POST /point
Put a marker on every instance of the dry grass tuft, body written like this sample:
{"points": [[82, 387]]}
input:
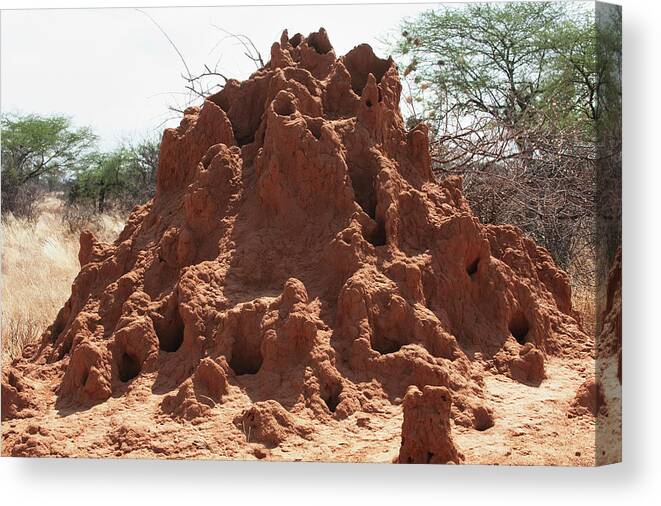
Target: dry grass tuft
{"points": [[584, 301], [39, 263], [584, 289]]}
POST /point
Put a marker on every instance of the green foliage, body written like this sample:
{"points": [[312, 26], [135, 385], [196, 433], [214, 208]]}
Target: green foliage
{"points": [[519, 100], [36, 149], [508, 61], [122, 178], [609, 65], [41, 153]]}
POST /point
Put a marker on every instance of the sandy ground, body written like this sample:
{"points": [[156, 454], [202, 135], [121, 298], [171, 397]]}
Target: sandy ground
{"points": [[609, 428], [532, 428]]}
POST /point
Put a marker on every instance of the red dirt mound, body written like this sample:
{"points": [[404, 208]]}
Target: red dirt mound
{"points": [[590, 399], [426, 430], [298, 263]]}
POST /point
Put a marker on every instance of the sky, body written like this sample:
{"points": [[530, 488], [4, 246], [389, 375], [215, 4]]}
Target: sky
{"points": [[114, 71]]}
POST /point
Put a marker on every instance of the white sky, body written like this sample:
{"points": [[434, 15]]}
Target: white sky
{"points": [[113, 70]]}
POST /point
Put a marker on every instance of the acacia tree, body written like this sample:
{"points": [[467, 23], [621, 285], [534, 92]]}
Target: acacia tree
{"points": [[501, 62], [120, 178], [510, 92], [100, 175], [34, 149], [142, 163]]}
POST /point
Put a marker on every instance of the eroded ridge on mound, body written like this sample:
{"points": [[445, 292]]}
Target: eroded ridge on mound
{"points": [[299, 253]]}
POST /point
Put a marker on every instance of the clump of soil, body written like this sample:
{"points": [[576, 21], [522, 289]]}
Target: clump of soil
{"points": [[590, 399], [426, 430], [298, 267]]}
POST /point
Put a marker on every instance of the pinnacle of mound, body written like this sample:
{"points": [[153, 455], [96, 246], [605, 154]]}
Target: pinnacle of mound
{"points": [[426, 437], [298, 250]]}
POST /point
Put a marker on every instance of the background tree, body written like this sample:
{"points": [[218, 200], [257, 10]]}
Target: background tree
{"points": [[143, 163], [37, 150], [117, 180], [97, 178], [510, 92]]}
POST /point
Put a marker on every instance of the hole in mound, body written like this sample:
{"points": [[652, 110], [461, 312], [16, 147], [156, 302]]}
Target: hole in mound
{"points": [[385, 345], [430, 456], [363, 182], [368, 103], [360, 62], [283, 106], [330, 390], [64, 349], [471, 268], [246, 356], [378, 236], [57, 329], [170, 331], [296, 40], [319, 41], [314, 127], [244, 140], [333, 399], [129, 367], [519, 327]]}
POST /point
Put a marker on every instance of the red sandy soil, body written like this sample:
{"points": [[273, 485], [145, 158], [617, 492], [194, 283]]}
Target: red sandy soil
{"points": [[301, 288]]}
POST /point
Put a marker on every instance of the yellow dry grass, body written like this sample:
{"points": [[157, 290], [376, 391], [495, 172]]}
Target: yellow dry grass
{"points": [[39, 263], [584, 302], [584, 289]]}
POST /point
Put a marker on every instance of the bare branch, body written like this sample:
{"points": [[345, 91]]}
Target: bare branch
{"points": [[251, 50]]}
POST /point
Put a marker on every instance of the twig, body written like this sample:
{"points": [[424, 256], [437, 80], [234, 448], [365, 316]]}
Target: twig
{"points": [[181, 56], [249, 46]]}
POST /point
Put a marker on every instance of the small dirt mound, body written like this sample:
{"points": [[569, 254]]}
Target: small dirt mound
{"points": [[268, 423], [426, 437], [589, 399], [199, 393]]}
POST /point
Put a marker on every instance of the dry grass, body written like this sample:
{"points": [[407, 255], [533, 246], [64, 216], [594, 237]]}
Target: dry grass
{"points": [[584, 289], [39, 263], [584, 301]]}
